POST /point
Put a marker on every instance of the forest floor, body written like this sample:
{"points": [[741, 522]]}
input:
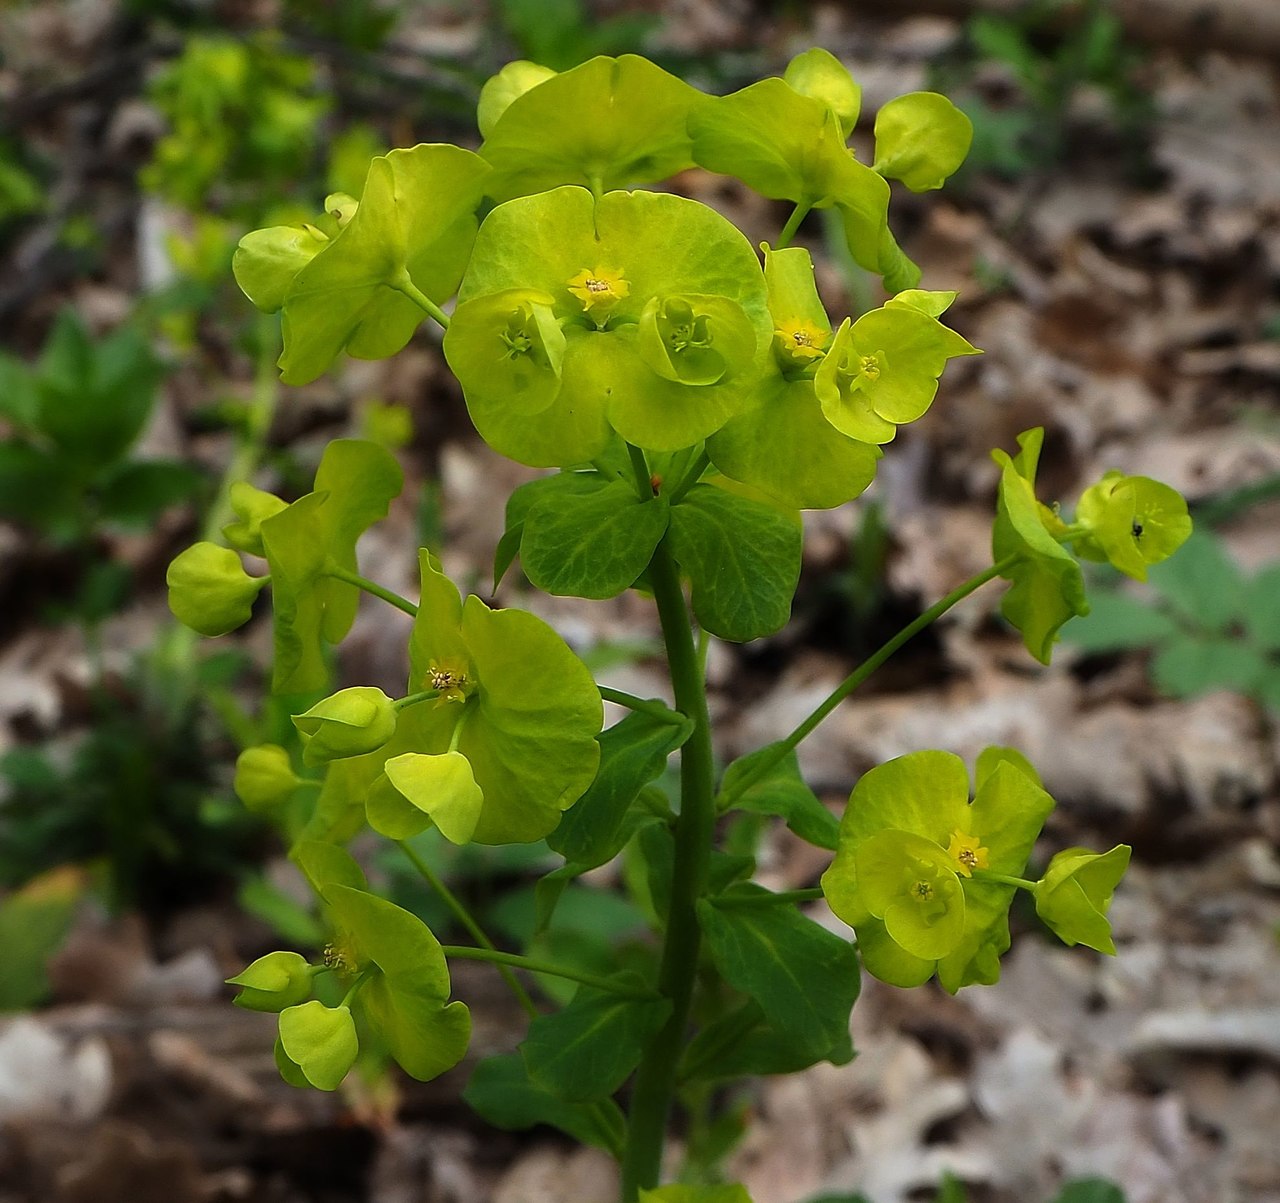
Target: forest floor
{"points": [[1127, 298]]}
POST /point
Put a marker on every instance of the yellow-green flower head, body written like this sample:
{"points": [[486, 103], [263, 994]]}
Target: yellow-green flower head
{"points": [[799, 343], [1075, 893], [1133, 521], [882, 370], [352, 722], [273, 982], [911, 875]]}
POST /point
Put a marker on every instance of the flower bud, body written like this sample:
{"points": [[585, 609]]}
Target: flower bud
{"points": [[1073, 896], [273, 982], [351, 722], [264, 778], [252, 507], [209, 590]]}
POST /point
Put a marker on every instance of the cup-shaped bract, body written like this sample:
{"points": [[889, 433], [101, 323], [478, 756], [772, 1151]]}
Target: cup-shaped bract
{"points": [[353, 488], [264, 778], [513, 81], [909, 838], [209, 590], [351, 722], [783, 444], [1132, 521], [921, 138], [405, 994], [267, 261], [1047, 585], [818, 73], [273, 982], [320, 1041], [414, 223], [533, 709], [608, 123], [882, 370], [252, 507], [442, 787], [791, 147], [617, 269], [1075, 893]]}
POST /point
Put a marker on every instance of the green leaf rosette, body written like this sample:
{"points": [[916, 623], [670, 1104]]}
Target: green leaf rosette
{"points": [[921, 138], [1075, 893], [609, 123], [882, 370], [414, 225], [908, 874], [354, 486], [784, 444], [1132, 521], [789, 146], [1047, 585], [514, 703], [641, 314]]}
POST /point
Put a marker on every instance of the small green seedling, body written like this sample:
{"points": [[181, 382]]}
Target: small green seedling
{"points": [[690, 395]]}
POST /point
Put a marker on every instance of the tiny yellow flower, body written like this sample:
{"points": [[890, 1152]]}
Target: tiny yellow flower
{"points": [[967, 854], [801, 340], [599, 289]]}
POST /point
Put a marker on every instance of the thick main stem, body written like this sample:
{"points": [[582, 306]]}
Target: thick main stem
{"points": [[655, 1080]]}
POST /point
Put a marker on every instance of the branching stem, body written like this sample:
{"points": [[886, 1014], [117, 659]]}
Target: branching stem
{"points": [[420, 298], [503, 960], [387, 595], [864, 670]]}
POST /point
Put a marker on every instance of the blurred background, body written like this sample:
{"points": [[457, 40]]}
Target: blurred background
{"points": [[1115, 240]]}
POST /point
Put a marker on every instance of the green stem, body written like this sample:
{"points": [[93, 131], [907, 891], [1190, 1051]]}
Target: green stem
{"points": [[640, 467], [798, 214], [468, 921], [691, 478], [659, 710], [655, 1081], [365, 974], [414, 698], [811, 894], [465, 952], [780, 750], [354, 578], [406, 286], [1004, 878]]}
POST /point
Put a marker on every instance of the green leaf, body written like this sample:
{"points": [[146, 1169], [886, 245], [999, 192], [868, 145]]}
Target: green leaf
{"points": [[921, 138], [587, 1050], [501, 1093], [40, 490], [34, 921], [565, 485], [804, 978], [783, 792], [415, 222], [742, 558], [632, 753], [1090, 1190], [1202, 584], [681, 1193], [95, 397], [320, 1041], [137, 493], [1116, 622], [594, 545], [741, 1044], [611, 123], [1261, 610], [1189, 666]]}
